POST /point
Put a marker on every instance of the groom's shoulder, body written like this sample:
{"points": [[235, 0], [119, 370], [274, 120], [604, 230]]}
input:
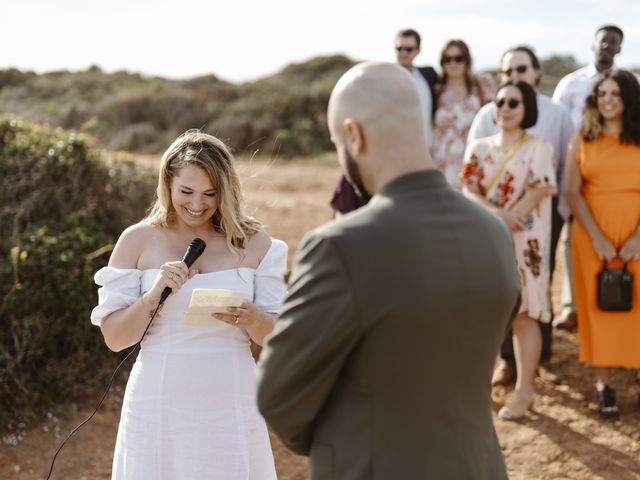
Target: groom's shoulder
{"points": [[356, 231], [352, 224]]}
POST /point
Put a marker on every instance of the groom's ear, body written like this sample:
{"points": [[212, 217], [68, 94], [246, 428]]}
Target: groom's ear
{"points": [[355, 137]]}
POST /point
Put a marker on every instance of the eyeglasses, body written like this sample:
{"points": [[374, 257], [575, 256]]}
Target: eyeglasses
{"points": [[453, 58], [520, 69], [512, 103], [406, 49]]}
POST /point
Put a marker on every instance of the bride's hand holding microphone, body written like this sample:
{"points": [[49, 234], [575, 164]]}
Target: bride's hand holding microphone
{"points": [[172, 275]]}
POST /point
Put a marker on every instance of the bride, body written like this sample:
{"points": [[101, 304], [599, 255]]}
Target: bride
{"points": [[189, 408]]}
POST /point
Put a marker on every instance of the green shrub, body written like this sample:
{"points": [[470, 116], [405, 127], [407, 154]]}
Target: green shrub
{"points": [[282, 113], [62, 205]]}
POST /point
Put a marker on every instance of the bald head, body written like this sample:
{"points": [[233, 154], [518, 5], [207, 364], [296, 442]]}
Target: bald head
{"points": [[382, 97], [376, 122]]}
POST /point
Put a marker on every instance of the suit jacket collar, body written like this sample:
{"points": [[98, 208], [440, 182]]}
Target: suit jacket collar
{"points": [[431, 178]]}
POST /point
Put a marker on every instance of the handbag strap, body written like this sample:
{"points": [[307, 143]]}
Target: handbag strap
{"points": [[606, 266], [512, 151]]}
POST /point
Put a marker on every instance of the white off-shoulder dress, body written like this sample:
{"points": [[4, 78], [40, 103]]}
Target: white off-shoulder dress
{"points": [[189, 410]]}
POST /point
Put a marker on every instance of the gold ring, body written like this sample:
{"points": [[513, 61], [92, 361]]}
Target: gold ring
{"points": [[237, 318]]}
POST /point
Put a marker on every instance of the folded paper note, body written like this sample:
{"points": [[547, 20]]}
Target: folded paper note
{"points": [[205, 302]]}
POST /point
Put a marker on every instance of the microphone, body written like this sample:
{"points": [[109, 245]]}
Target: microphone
{"points": [[196, 247]]}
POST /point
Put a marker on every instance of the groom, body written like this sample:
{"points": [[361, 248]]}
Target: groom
{"points": [[380, 364]]}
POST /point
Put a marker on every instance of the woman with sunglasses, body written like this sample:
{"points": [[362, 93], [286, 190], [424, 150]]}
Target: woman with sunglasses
{"points": [[602, 187], [512, 175], [460, 95]]}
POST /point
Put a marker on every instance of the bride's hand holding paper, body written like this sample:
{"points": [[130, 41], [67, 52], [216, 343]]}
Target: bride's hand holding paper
{"points": [[205, 302], [243, 316]]}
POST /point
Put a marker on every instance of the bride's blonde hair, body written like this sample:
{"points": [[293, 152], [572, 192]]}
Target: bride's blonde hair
{"points": [[214, 158]]}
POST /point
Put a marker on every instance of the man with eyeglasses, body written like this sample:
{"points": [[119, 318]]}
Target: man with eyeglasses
{"points": [[407, 46], [555, 125]]}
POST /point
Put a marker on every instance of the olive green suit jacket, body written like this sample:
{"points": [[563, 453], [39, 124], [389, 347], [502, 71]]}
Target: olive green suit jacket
{"points": [[380, 365]]}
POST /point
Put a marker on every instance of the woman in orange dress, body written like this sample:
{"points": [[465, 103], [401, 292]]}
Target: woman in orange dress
{"points": [[603, 191]]}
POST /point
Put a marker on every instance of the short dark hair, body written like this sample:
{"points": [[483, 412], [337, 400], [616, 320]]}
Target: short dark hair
{"points": [[409, 32], [611, 28], [529, 51], [535, 62], [529, 101]]}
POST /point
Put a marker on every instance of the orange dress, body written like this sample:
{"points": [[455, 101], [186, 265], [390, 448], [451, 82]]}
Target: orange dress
{"points": [[611, 186]]}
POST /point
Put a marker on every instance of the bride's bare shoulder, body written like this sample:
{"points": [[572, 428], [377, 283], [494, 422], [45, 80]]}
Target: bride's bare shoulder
{"points": [[259, 244], [132, 242]]}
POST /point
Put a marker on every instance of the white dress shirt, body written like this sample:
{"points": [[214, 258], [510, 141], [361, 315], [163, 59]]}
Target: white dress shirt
{"points": [[554, 124], [426, 101], [572, 91]]}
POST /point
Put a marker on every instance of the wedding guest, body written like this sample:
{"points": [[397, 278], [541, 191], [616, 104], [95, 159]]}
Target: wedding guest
{"points": [[572, 92], [460, 96], [554, 124], [603, 191], [512, 175]]}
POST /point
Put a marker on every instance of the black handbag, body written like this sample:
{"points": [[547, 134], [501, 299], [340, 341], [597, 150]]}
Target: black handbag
{"points": [[615, 287]]}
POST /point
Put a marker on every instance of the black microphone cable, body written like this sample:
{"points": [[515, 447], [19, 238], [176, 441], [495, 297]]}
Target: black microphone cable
{"points": [[104, 395], [195, 249]]}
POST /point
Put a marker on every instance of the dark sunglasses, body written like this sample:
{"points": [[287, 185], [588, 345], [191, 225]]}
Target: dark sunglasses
{"points": [[453, 58], [512, 103], [406, 49], [520, 69]]}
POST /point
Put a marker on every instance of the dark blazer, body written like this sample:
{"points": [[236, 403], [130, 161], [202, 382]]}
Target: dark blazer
{"points": [[380, 365], [431, 76]]}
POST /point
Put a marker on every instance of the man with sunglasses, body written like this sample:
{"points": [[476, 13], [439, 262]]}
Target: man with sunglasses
{"points": [[407, 46], [407, 49], [555, 125]]}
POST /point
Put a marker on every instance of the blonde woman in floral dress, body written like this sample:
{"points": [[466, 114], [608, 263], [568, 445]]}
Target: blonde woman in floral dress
{"points": [[460, 96], [512, 175]]}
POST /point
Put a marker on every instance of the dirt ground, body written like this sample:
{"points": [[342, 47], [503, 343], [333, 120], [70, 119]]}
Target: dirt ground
{"points": [[562, 438]]}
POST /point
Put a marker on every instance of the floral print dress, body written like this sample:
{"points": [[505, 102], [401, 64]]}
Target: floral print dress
{"points": [[451, 127], [502, 178]]}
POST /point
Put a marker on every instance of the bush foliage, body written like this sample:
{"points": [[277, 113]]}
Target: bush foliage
{"points": [[281, 114], [62, 205]]}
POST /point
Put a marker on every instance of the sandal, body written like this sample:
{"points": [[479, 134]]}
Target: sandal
{"points": [[515, 407], [607, 407]]}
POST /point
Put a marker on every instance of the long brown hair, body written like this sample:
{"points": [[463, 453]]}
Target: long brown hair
{"points": [[593, 122], [470, 80]]}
